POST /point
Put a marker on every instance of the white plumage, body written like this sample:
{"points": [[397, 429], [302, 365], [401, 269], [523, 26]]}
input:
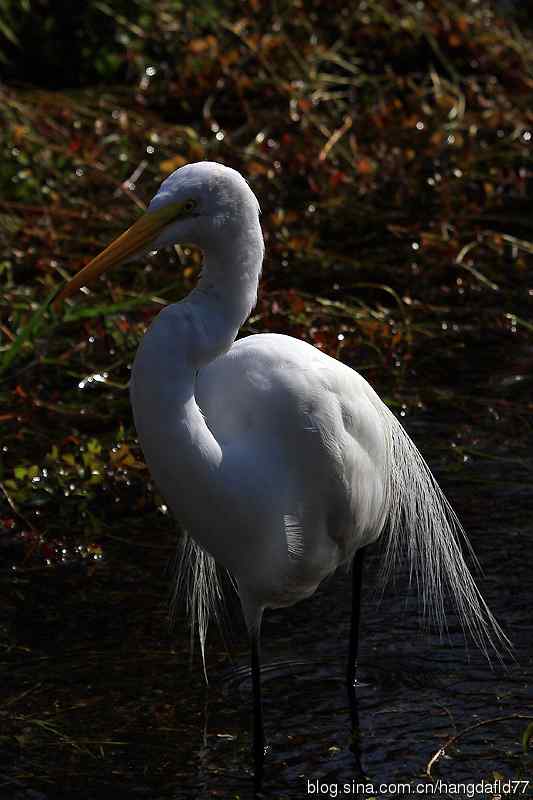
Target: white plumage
{"points": [[280, 462]]}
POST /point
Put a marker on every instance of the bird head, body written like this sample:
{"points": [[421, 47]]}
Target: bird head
{"points": [[202, 204]]}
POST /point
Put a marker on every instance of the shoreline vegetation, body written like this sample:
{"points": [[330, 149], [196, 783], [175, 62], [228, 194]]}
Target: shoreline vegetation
{"points": [[390, 147]]}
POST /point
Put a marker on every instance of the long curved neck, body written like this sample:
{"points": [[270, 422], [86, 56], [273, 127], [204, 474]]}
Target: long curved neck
{"points": [[182, 453], [226, 292]]}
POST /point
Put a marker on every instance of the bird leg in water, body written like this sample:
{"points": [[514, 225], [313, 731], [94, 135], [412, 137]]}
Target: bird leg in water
{"points": [[351, 672], [258, 729]]}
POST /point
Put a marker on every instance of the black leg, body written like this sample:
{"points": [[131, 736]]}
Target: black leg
{"points": [[258, 730], [351, 672]]}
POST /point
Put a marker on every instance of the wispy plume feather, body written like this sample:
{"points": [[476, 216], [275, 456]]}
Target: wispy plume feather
{"points": [[423, 527], [197, 580]]}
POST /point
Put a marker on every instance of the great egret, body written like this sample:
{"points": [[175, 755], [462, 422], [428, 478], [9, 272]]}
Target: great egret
{"points": [[280, 462]]}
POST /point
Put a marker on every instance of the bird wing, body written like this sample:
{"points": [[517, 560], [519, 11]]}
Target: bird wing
{"points": [[313, 425]]}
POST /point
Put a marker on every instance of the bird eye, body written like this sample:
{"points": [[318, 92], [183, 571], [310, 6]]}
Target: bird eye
{"points": [[189, 206]]}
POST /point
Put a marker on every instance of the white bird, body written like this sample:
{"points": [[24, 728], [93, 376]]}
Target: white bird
{"points": [[280, 462]]}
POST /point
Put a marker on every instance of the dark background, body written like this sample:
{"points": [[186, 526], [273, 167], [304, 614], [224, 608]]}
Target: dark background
{"points": [[390, 145]]}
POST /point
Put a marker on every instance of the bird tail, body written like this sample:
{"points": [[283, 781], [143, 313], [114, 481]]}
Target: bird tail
{"points": [[423, 526], [197, 578]]}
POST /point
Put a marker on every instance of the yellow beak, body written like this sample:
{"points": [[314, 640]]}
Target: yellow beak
{"points": [[123, 247]]}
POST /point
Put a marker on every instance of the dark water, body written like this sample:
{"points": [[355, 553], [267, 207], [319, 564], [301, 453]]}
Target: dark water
{"points": [[106, 702]]}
